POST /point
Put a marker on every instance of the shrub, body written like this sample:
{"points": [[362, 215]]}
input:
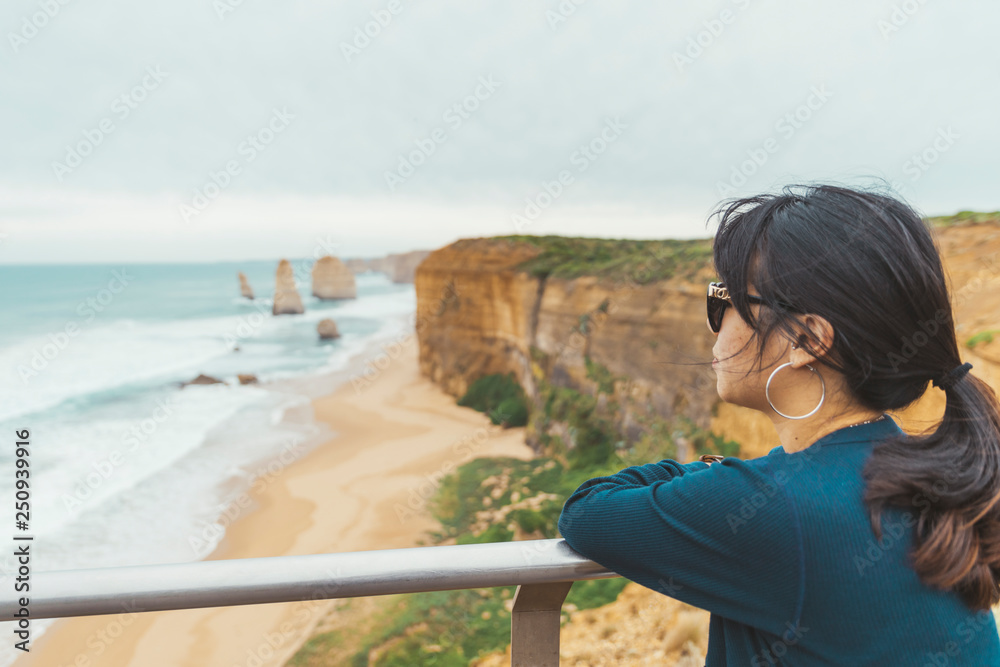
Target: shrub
{"points": [[981, 337], [512, 411], [500, 397]]}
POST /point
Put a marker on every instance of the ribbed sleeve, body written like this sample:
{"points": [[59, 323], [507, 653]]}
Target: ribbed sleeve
{"points": [[721, 537], [780, 549]]}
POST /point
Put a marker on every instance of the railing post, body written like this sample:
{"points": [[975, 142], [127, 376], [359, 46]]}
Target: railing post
{"points": [[534, 624]]}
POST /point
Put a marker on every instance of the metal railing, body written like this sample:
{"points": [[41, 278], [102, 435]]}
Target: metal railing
{"points": [[542, 570]]}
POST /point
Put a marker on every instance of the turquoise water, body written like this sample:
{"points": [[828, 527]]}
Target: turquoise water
{"points": [[127, 466]]}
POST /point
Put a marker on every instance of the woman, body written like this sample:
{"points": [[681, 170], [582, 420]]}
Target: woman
{"points": [[851, 543]]}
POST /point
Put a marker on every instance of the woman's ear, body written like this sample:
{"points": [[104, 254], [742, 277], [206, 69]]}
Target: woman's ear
{"points": [[814, 342]]}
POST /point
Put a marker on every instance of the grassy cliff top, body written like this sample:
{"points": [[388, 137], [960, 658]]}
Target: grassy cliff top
{"points": [[964, 217], [650, 260], [641, 261]]}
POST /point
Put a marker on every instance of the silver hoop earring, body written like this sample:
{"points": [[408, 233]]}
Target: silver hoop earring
{"points": [[767, 389]]}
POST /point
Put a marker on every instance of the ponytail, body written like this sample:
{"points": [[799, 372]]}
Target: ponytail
{"points": [[952, 477]]}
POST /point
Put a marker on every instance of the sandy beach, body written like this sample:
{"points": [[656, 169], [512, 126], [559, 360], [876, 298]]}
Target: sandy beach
{"points": [[393, 437]]}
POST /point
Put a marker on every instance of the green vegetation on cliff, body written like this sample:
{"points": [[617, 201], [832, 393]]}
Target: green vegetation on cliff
{"points": [[639, 261], [964, 217], [500, 397], [982, 337]]}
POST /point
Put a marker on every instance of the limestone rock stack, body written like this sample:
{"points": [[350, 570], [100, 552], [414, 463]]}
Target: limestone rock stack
{"points": [[286, 298], [331, 279], [327, 329], [245, 289]]}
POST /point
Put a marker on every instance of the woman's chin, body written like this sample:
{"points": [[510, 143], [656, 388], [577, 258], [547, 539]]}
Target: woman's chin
{"points": [[728, 395], [724, 391]]}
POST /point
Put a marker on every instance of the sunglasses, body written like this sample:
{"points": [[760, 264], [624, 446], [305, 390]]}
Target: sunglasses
{"points": [[718, 300]]}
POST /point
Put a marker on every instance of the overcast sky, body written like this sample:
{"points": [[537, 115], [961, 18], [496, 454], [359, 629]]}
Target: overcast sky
{"points": [[234, 129]]}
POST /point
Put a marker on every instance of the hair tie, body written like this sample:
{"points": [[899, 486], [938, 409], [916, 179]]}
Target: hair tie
{"points": [[952, 376]]}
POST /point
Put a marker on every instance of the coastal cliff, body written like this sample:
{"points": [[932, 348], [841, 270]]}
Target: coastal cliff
{"points": [[618, 319], [624, 321], [400, 267], [581, 322]]}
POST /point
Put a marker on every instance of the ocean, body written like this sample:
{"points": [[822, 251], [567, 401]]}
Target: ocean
{"points": [[127, 466]]}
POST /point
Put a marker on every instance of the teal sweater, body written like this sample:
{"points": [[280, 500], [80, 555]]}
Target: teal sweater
{"points": [[780, 550]]}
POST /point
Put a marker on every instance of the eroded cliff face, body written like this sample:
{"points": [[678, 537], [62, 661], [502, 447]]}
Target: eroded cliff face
{"points": [[477, 314], [474, 311]]}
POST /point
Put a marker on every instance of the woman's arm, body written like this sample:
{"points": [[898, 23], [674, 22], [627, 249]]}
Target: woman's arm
{"points": [[723, 537]]}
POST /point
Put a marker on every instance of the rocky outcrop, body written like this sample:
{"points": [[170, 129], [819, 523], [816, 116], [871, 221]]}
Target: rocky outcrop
{"points": [[286, 297], [357, 265], [202, 379], [246, 378], [331, 279], [478, 313], [399, 267], [402, 268], [327, 329], [245, 289]]}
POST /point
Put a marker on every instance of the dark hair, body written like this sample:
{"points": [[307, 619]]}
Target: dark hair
{"points": [[866, 262]]}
